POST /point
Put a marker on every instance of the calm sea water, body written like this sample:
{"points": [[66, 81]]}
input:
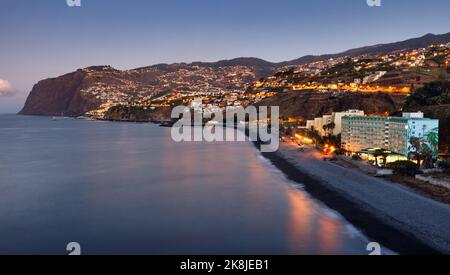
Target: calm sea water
{"points": [[126, 188]]}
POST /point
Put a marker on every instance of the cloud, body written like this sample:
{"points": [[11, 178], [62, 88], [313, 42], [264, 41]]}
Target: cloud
{"points": [[6, 88]]}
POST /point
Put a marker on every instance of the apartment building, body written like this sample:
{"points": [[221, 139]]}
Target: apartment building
{"points": [[336, 118], [402, 135]]}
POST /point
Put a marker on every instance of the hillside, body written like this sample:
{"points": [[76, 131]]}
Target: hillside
{"points": [[434, 101], [310, 104], [93, 90], [380, 49], [82, 91]]}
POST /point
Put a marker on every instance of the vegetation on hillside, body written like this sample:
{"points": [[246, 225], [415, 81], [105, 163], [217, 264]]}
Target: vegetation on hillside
{"points": [[434, 100], [434, 93]]}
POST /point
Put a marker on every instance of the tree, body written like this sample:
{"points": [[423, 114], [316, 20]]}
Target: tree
{"points": [[433, 139], [315, 136], [424, 150], [333, 140], [384, 156], [376, 154], [329, 128], [434, 93]]}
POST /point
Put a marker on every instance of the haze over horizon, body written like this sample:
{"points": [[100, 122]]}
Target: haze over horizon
{"points": [[47, 39]]}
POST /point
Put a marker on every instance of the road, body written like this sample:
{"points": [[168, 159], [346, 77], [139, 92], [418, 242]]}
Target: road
{"points": [[401, 207]]}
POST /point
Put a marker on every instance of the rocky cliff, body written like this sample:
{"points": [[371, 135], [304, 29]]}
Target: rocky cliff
{"points": [[58, 96], [68, 95]]}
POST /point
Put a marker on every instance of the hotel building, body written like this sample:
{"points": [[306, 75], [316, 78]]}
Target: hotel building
{"points": [[400, 135], [336, 118]]}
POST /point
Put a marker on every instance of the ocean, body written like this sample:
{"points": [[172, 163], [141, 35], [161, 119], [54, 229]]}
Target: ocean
{"points": [[127, 188]]}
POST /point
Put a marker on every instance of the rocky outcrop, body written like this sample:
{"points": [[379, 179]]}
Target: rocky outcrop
{"points": [[65, 95], [58, 96]]}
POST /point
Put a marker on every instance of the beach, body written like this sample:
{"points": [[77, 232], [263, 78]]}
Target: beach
{"points": [[393, 215]]}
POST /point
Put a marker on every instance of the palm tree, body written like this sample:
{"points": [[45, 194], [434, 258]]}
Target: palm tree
{"points": [[329, 127], [384, 156], [376, 154], [433, 139]]}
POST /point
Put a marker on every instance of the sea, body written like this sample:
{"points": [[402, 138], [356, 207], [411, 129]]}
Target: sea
{"points": [[128, 188]]}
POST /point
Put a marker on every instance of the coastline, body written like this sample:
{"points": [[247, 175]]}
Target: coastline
{"points": [[374, 225]]}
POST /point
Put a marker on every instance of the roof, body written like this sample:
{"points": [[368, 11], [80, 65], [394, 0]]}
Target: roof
{"points": [[371, 151]]}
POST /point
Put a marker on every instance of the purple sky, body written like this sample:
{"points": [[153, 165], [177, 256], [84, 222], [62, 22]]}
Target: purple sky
{"points": [[41, 39]]}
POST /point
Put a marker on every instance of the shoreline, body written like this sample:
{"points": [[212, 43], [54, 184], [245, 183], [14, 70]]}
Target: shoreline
{"points": [[368, 221], [374, 224]]}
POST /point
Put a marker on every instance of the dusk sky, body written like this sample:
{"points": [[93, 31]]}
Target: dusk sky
{"points": [[41, 39]]}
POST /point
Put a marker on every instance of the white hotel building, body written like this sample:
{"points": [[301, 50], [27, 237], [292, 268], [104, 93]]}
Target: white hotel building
{"points": [[400, 135], [336, 118]]}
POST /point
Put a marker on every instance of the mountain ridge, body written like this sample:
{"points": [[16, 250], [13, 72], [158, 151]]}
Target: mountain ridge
{"points": [[381, 48], [88, 89]]}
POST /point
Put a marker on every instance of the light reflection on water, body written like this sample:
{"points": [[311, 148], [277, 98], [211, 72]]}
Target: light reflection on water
{"points": [[128, 188]]}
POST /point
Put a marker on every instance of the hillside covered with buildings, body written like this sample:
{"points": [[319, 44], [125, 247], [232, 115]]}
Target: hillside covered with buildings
{"points": [[394, 68], [381, 80]]}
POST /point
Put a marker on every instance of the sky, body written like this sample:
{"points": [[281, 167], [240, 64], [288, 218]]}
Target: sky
{"points": [[42, 39]]}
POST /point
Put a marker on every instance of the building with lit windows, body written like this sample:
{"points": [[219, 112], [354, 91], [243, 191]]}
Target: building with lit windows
{"points": [[403, 136], [335, 118]]}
